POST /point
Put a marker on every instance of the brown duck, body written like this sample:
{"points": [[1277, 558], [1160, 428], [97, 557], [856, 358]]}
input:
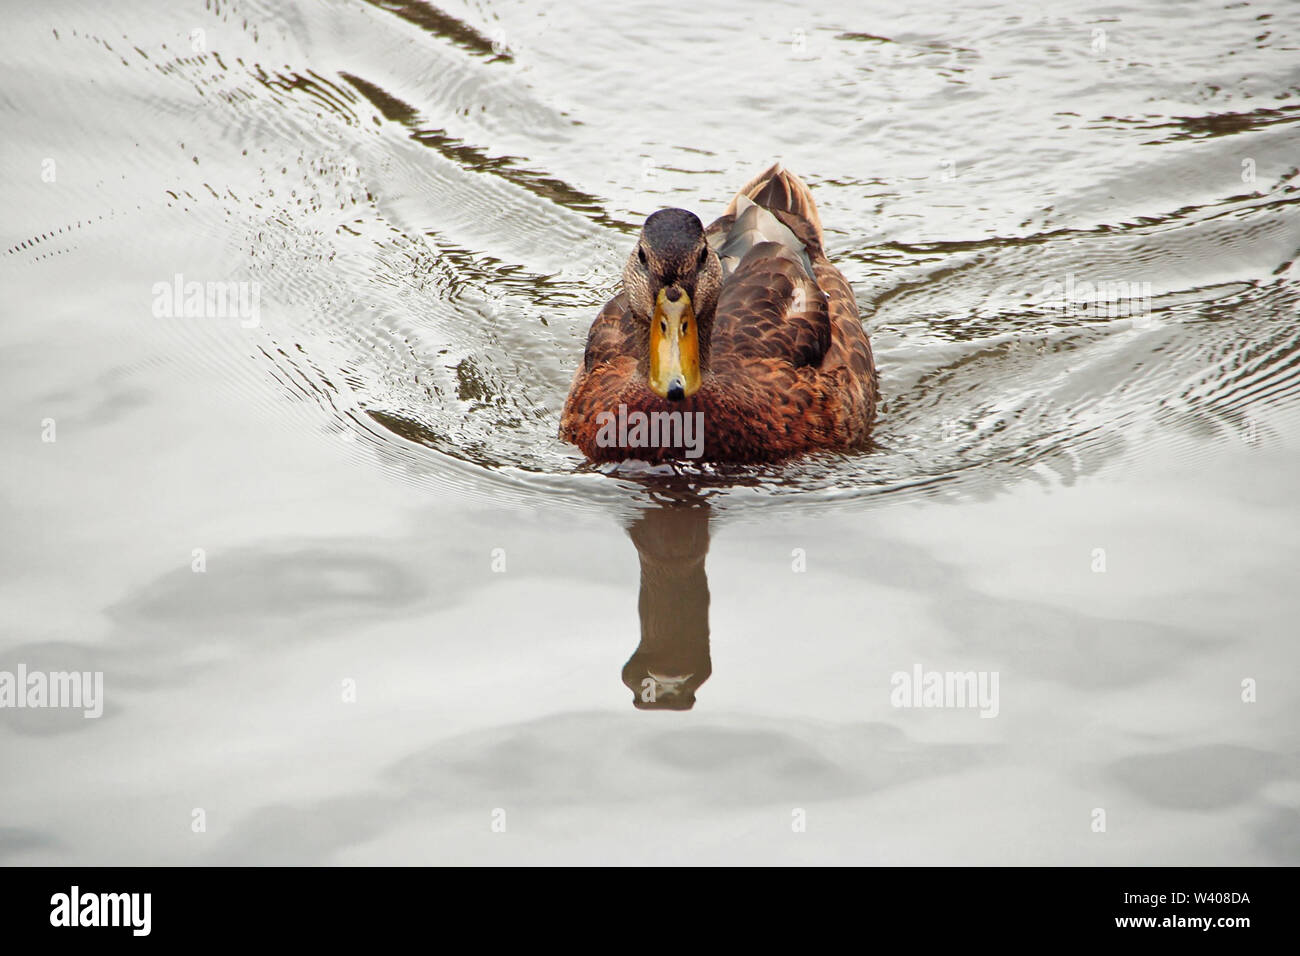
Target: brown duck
{"points": [[739, 343]]}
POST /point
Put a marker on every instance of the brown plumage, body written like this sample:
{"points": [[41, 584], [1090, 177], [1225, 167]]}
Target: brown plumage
{"points": [[785, 366]]}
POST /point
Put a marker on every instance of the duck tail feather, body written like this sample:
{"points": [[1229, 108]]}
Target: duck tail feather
{"points": [[778, 188]]}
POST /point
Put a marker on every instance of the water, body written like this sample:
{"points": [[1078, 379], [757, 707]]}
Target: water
{"points": [[433, 202]]}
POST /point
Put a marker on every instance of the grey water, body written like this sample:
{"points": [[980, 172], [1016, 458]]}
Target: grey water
{"points": [[354, 602]]}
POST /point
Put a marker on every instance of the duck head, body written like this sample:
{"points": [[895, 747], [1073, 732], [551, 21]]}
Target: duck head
{"points": [[672, 280]]}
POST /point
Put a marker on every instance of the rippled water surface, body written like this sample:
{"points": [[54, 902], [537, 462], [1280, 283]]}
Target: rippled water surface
{"points": [[246, 524]]}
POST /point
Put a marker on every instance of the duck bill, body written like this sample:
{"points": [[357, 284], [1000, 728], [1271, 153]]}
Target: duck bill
{"points": [[674, 346]]}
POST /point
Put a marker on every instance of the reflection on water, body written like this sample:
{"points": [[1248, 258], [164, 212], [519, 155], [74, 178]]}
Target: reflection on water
{"points": [[672, 660]]}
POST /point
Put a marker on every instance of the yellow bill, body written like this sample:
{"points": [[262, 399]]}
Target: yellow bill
{"points": [[674, 346]]}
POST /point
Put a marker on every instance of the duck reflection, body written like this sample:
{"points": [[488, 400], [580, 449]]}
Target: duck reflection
{"points": [[672, 660]]}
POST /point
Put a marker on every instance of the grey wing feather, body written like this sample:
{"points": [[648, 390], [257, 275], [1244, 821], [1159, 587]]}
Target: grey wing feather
{"points": [[754, 224]]}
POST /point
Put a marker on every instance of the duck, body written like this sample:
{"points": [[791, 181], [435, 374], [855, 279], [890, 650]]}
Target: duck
{"points": [[740, 343]]}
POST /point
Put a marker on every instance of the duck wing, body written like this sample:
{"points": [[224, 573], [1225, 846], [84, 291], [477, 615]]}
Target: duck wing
{"points": [[736, 233], [771, 307], [613, 335]]}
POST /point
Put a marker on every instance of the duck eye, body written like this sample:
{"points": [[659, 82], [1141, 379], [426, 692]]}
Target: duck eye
{"points": [[704, 257], [640, 254]]}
